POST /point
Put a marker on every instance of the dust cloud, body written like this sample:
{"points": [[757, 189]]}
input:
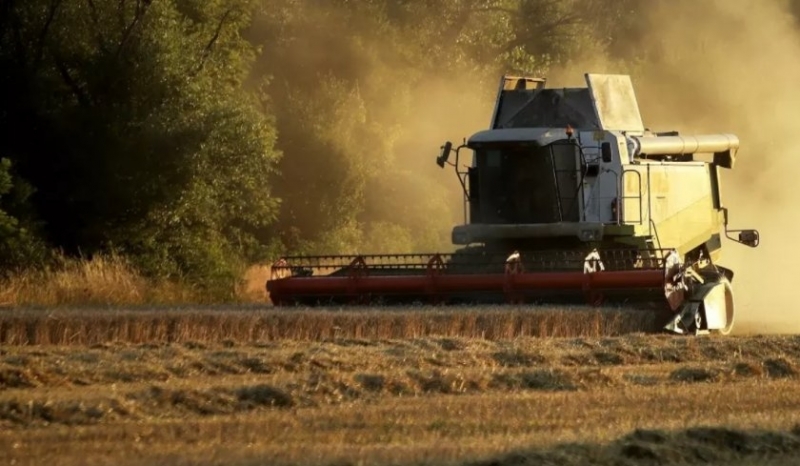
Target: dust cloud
{"points": [[444, 109], [381, 106], [730, 66]]}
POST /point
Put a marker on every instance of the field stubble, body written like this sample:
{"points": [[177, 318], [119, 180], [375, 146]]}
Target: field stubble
{"points": [[260, 323], [227, 391]]}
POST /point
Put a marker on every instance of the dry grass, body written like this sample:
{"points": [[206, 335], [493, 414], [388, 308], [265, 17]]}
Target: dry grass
{"points": [[103, 280], [111, 281], [86, 327], [414, 401]]}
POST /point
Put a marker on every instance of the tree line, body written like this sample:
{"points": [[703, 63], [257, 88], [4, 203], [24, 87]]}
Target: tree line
{"points": [[198, 136]]}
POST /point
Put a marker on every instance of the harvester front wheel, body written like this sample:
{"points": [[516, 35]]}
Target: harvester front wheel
{"points": [[718, 308], [710, 309], [729, 308]]}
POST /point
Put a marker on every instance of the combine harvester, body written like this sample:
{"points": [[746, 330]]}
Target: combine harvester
{"points": [[568, 198]]}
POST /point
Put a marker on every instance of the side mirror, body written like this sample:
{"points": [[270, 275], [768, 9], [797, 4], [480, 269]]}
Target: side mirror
{"points": [[446, 148], [749, 238], [605, 150]]}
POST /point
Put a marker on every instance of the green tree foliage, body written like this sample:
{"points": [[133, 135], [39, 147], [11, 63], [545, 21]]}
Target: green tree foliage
{"points": [[131, 120], [19, 245], [199, 135]]}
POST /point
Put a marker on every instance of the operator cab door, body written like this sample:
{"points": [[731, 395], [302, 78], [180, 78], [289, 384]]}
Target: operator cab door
{"points": [[600, 183]]}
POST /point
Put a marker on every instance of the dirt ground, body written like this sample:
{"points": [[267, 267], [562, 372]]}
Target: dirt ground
{"points": [[630, 399]]}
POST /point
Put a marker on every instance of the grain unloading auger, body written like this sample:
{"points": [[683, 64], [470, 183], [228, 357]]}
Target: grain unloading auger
{"points": [[568, 198]]}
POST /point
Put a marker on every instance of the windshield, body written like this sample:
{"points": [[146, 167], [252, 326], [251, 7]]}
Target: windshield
{"points": [[518, 184]]}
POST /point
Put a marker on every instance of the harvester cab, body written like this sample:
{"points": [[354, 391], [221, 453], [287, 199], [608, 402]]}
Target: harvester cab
{"points": [[562, 179]]}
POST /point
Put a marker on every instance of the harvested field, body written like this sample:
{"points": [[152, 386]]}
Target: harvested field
{"points": [[271, 399], [88, 327]]}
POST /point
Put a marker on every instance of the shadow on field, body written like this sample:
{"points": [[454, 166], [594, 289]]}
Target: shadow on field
{"points": [[702, 445]]}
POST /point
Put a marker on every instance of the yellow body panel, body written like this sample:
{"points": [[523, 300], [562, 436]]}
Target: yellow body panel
{"points": [[677, 197]]}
